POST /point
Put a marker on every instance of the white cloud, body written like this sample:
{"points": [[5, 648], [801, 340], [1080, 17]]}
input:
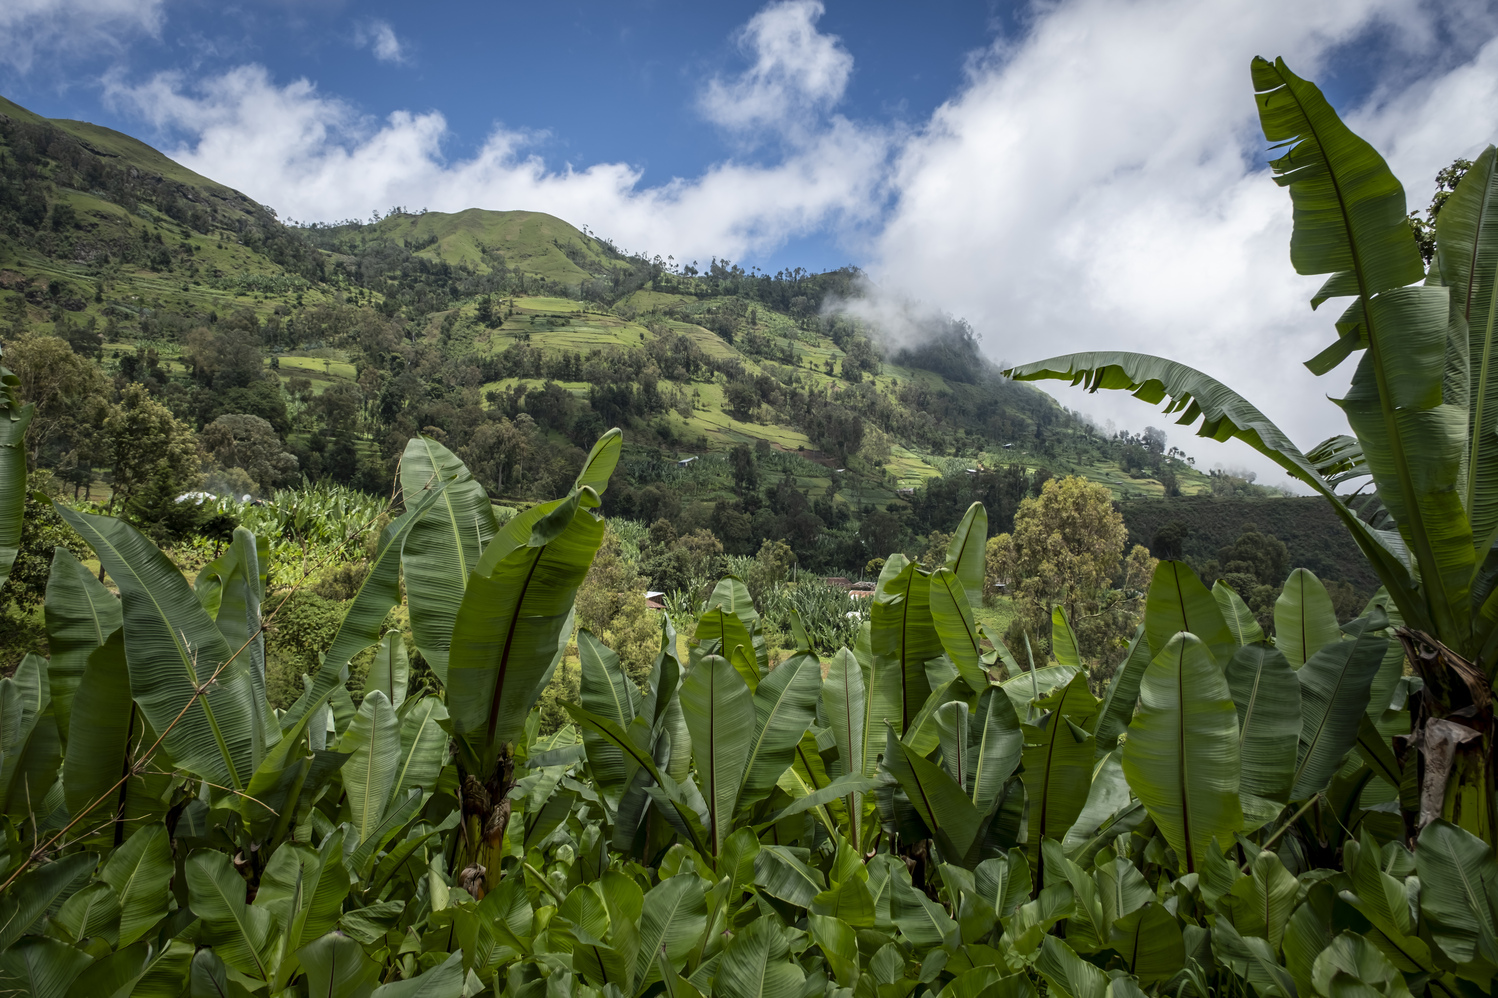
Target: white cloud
{"points": [[381, 39], [796, 72], [1097, 185], [314, 157], [72, 27]]}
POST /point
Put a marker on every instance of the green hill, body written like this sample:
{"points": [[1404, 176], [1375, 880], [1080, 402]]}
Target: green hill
{"points": [[484, 328]]}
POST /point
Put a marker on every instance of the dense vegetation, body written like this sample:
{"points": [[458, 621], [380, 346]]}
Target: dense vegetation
{"points": [[150, 312], [427, 745]]}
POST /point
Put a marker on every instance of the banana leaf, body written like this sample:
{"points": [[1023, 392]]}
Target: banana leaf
{"points": [[174, 649], [1350, 223], [110, 732], [952, 616], [29, 744], [607, 692], [756, 964], [1467, 262], [720, 713], [1334, 687], [967, 551], [785, 704], [1304, 620], [443, 546], [81, 615], [1239, 618], [1266, 693], [1181, 754], [373, 744], [903, 639], [1058, 760], [1177, 602], [139, 872], [14, 419], [514, 623], [1227, 415]]}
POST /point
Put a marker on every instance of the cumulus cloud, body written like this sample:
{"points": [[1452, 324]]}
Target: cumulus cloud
{"points": [[796, 72], [72, 27], [380, 38], [1096, 182], [1099, 184], [314, 157]]}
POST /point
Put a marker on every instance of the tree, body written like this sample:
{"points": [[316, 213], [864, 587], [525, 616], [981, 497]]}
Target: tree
{"points": [[1257, 554], [248, 442], [1067, 550], [143, 441], [1422, 405], [65, 388], [611, 604]]}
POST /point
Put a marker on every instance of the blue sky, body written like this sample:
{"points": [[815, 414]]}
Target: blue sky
{"points": [[593, 81], [1066, 174]]}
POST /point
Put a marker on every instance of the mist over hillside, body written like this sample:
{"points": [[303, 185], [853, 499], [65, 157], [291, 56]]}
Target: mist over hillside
{"points": [[757, 407]]}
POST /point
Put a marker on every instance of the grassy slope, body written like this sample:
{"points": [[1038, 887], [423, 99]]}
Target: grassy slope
{"points": [[527, 239], [528, 242]]}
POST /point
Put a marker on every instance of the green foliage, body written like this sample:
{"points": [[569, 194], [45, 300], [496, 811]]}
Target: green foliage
{"points": [[920, 811]]}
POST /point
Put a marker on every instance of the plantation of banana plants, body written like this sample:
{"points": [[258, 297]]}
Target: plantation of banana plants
{"points": [[926, 811]]}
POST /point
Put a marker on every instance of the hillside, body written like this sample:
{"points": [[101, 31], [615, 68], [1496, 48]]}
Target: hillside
{"points": [[514, 337]]}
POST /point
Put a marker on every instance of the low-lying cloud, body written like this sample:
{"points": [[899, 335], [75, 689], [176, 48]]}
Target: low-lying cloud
{"points": [[1096, 182]]}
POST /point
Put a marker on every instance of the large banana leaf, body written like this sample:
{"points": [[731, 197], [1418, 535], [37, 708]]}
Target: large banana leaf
{"points": [[996, 745], [173, 649], [1058, 757], [607, 692], [239, 933], [380, 590], [107, 736], [756, 963], [239, 580], [1177, 602], [785, 704], [390, 671], [673, 917], [941, 802], [373, 744], [1123, 693], [720, 713], [29, 743], [1334, 687], [1458, 888], [967, 551], [139, 872], [1304, 620], [514, 623], [1226, 415], [845, 709], [80, 615], [1064, 646], [1181, 754], [729, 623], [1350, 223], [1266, 692], [14, 418], [1467, 262], [952, 616], [443, 547], [903, 639], [1239, 618]]}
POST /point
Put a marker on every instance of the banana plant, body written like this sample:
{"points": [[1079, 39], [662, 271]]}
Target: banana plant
{"points": [[15, 417], [509, 631], [1421, 408]]}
